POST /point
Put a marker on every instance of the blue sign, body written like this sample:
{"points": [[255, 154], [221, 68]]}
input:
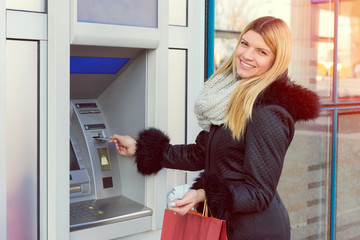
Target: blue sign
{"points": [[96, 65]]}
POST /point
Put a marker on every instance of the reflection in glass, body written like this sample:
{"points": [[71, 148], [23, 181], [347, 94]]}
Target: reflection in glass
{"points": [[304, 185], [312, 27], [348, 177], [348, 66]]}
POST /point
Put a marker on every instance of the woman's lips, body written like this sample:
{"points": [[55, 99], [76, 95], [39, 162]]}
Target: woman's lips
{"points": [[246, 65]]}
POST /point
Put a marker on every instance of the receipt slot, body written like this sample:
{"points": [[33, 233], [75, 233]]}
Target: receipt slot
{"points": [[107, 194]]}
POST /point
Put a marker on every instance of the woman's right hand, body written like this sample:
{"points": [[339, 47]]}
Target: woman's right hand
{"points": [[188, 201], [125, 145]]}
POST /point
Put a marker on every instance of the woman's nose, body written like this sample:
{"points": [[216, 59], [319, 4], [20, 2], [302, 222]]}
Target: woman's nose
{"points": [[248, 54]]}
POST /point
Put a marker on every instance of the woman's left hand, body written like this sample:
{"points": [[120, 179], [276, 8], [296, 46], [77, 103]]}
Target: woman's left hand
{"points": [[189, 200]]}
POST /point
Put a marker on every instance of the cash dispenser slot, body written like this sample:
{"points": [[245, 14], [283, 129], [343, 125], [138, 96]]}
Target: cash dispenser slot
{"points": [[75, 189]]}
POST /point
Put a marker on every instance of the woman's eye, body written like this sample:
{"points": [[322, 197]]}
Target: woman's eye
{"points": [[262, 52], [243, 43]]}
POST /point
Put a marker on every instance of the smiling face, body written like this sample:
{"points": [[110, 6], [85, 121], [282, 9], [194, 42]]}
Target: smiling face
{"points": [[253, 56]]}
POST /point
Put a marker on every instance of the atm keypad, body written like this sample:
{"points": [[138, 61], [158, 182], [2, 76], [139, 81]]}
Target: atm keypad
{"points": [[84, 211]]}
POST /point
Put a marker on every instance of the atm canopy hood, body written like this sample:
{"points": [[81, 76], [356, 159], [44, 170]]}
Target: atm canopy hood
{"points": [[94, 68]]}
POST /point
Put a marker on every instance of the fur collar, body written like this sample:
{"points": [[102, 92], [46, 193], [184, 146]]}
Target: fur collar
{"points": [[301, 103]]}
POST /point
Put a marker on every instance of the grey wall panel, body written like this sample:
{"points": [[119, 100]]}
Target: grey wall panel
{"points": [[22, 139], [2, 121], [28, 5]]}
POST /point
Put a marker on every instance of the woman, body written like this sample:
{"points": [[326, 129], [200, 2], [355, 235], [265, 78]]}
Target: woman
{"points": [[247, 110]]}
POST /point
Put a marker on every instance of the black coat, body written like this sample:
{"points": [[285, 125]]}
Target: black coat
{"points": [[240, 177]]}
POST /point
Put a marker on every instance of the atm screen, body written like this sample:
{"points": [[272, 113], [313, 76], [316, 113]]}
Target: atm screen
{"points": [[74, 165]]}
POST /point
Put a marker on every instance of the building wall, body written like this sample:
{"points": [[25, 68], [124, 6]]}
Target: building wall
{"points": [[50, 27]]}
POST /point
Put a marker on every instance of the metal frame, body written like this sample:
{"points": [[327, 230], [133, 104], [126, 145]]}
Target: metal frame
{"points": [[16, 26], [3, 216], [58, 102], [210, 38], [42, 148]]}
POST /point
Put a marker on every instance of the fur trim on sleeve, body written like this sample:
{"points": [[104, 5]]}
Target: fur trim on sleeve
{"points": [[218, 194], [149, 150]]}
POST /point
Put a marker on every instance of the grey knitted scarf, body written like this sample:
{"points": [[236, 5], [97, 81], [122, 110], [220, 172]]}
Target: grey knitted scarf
{"points": [[214, 97]]}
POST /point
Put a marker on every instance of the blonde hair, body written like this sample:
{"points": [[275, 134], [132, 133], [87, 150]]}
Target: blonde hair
{"points": [[277, 36]]}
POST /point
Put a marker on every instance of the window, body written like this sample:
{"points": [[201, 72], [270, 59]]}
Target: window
{"points": [[319, 184]]}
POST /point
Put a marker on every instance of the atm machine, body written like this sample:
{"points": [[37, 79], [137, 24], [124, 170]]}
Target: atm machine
{"points": [[95, 183], [116, 73], [107, 96]]}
